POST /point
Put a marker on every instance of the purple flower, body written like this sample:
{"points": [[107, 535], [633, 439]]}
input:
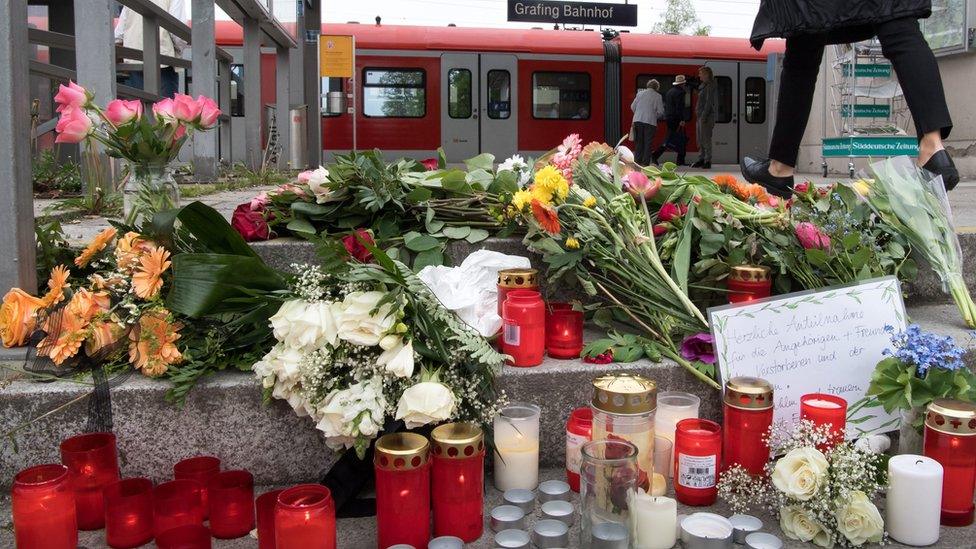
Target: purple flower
{"points": [[699, 347]]}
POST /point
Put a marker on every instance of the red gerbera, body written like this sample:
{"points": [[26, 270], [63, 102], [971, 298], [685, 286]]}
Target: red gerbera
{"points": [[546, 216]]}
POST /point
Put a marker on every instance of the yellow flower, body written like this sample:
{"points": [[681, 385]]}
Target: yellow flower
{"points": [[148, 279], [56, 284], [590, 201], [521, 199], [551, 180], [96, 245], [862, 186], [152, 343], [572, 243]]}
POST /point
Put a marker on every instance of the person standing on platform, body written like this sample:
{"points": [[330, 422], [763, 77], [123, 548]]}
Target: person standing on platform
{"points": [[808, 27], [128, 32], [707, 112], [648, 107], [677, 113]]}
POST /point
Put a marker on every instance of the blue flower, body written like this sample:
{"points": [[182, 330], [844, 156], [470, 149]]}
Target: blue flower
{"points": [[924, 350]]}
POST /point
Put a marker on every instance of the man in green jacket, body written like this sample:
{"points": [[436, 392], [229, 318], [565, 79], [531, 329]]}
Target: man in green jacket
{"points": [[706, 112]]}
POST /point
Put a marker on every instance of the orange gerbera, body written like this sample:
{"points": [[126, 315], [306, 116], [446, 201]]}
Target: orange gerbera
{"points": [[65, 334], [148, 279], [86, 304], [96, 245], [725, 180], [129, 249], [56, 284], [546, 216], [104, 334], [152, 343], [18, 317]]}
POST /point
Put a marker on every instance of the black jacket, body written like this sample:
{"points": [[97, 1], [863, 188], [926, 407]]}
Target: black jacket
{"points": [[840, 21], [675, 109]]}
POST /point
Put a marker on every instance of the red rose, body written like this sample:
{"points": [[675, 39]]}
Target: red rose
{"points": [[250, 224], [355, 246], [430, 164], [660, 229], [801, 188], [669, 211]]}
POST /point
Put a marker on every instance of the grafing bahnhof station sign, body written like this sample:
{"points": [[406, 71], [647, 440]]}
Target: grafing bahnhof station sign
{"points": [[574, 13]]}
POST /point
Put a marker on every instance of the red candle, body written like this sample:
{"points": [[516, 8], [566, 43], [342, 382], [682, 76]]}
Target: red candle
{"points": [[177, 503], [824, 409], [305, 518], [266, 504], [697, 456], [128, 512], [515, 279], [44, 508], [458, 485], [231, 495], [188, 536], [524, 328], [200, 469], [748, 415], [93, 464], [950, 439], [564, 332], [402, 489], [579, 430], [749, 283]]}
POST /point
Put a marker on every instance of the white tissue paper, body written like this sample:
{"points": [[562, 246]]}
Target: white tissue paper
{"points": [[471, 288]]}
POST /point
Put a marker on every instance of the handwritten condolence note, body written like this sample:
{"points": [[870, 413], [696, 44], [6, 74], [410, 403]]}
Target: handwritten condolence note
{"points": [[825, 341]]}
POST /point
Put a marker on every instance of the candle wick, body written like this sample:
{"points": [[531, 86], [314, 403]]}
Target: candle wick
{"points": [[919, 462]]}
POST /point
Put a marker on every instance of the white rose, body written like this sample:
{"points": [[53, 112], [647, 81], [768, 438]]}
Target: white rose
{"points": [[397, 358], [625, 153], [358, 410], [282, 363], [305, 326], [797, 524], [424, 403], [318, 181], [355, 323], [800, 473], [859, 520]]}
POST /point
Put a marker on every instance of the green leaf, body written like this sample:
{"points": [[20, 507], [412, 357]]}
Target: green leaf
{"points": [[711, 243], [682, 254], [476, 235], [212, 233], [428, 257], [313, 210], [300, 225], [441, 158], [817, 256], [419, 195], [480, 179], [505, 182], [484, 161], [207, 283], [421, 243], [457, 233]]}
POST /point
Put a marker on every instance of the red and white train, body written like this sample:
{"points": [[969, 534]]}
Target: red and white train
{"points": [[474, 90]]}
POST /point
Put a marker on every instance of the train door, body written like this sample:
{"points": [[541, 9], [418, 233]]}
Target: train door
{"points": [[725, 136], [498, 92], [459, 99], [753, 125]]}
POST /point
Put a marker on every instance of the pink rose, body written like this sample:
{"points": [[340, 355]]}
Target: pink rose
{"points": [[801, 188], [209, 112], [120, 111], [430, 164], [305, 176], [180, 133], [811, 237], [260, 202], [638, 184], [73, 126], [670, 211], [71, 96], [165, 110], [186, 109]]}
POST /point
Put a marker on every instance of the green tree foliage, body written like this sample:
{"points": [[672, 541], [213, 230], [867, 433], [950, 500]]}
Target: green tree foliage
{"points": [[679, 17]]}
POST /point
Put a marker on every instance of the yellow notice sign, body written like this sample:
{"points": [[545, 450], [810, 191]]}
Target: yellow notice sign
{"points": [[335, 56]]}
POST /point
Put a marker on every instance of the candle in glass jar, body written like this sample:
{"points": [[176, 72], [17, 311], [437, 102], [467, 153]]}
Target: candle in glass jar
{"points": [[177, 503], [623, 409], [654, 521], [128, 513], [305, 518], [458, 480], [748, 407], [93, 463], [824, 409], [524, 328], [402, 466], [231, 495], [200, 469], [672, 407], [748, 283], [515, 279], [564, 332], [266, 504], [516, 437], [950, 439], [697, 455], [914, 502], [43, 508], [579, 428]]}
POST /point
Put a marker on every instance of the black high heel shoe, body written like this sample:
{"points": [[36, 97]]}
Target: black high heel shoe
{"points": [[757, 171], [941, 164]]}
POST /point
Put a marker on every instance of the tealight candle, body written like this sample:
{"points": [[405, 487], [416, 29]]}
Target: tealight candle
{"points": [[512, 539], [516, 429], [552, 490], [401, 546], [523, 499], [653, 521], [549, 534], [562, 511], [564, 333], [610, 535], [762, 540], [824, 409], [914, 503], [706, 531], [744, 525], [507, 517], [446, 542], [305, 517]]}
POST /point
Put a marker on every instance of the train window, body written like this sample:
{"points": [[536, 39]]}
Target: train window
{"points": [[395, 93], [561, 95], [499, 94], [723, 89], [329, 84], [664, 80], [237, 89], [755, 100], [459, 93]]}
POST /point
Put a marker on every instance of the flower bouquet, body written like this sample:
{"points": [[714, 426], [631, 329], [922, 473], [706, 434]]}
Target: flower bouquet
{"points": [[149, 141], [821, 497]]}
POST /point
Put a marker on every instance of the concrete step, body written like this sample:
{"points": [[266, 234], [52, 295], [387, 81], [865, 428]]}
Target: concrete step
{"points": [[360, 533], [224, 415]]}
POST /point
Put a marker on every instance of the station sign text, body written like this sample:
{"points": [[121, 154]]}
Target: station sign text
{"points": [[575, 13]]}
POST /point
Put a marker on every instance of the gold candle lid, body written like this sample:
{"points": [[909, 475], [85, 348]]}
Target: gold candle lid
{"points": [[953, 417], [401, 451], [624, 394], [749, 393], [457, 440], [749, 273], [518, 278]]}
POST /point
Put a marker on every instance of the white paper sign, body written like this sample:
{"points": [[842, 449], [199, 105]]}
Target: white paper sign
{"points": [[824, 341]]}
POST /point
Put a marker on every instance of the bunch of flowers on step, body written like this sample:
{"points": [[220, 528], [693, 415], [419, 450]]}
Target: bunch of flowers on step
{"points": [[129, 131], [822, 494], [367, 348], [106, 308]]}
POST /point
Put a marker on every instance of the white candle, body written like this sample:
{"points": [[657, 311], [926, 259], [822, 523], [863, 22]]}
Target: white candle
{"points": [[914, 499], [820, 403], [516, 433], [672, 407], [653, 521]]}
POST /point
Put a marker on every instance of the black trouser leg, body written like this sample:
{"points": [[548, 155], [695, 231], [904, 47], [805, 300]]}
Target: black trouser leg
{"points": [[672, 129], [681, 147], [801, 65], [918, 73], [643, 134]]}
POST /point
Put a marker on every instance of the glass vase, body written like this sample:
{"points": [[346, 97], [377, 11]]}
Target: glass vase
{"points": [[608, 482], [149, 188], [909, 437]]}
